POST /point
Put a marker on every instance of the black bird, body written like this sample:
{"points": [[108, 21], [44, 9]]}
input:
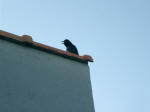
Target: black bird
{"points": [[70, 47]]}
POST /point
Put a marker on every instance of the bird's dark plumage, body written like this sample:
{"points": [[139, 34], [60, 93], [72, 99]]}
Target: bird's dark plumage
{"points": [[70, 47]]}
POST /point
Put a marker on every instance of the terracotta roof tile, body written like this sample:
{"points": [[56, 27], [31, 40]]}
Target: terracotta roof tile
{"points": [[27, 41]]}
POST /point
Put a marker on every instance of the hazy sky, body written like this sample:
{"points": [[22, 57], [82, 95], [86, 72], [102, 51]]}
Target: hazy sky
{"points": [[116, 33]]}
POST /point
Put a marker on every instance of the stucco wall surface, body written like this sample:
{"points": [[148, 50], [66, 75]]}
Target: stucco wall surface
{"points": [[35, 81]]}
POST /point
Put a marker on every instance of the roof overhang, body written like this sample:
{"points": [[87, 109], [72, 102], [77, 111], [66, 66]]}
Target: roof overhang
{"points": [[26, 40]]}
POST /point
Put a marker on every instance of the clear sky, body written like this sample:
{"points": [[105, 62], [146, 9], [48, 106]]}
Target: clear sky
{"points": [[116, 33]]}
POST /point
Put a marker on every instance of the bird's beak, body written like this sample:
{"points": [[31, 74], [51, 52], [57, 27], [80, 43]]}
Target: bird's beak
{"points": [[62, 42]]}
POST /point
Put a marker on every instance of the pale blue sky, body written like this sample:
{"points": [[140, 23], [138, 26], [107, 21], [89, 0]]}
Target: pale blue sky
{"points": [[116, 33]]}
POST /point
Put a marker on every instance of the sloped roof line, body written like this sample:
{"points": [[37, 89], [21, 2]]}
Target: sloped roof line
{"points": [[27, 40]]}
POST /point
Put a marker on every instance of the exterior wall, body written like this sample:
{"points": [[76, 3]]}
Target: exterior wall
{"points": [[35, 81]]}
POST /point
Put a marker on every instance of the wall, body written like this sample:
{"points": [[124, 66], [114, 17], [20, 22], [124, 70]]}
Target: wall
{"points": [[35, 81]]}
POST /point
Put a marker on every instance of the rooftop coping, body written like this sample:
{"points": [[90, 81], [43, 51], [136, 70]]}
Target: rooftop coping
{"points": [[27, 41]]}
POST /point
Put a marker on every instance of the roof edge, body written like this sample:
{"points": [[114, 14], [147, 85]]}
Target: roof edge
{"points": [[27, 40]]}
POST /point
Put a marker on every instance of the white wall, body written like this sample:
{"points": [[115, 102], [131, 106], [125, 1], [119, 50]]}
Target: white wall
{"points": [[35, 81]]}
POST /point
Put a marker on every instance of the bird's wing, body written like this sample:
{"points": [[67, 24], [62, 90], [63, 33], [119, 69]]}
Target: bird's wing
{"points": [[73, 49]]}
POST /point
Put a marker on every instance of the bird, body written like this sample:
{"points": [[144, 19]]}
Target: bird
{"points": [[70, 47]]}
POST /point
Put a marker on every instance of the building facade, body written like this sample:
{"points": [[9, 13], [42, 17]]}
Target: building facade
{"points": [[38, 78]]}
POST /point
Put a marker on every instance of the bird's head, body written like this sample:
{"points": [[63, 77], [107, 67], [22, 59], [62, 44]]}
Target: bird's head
{"points": [[66, 42]]}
